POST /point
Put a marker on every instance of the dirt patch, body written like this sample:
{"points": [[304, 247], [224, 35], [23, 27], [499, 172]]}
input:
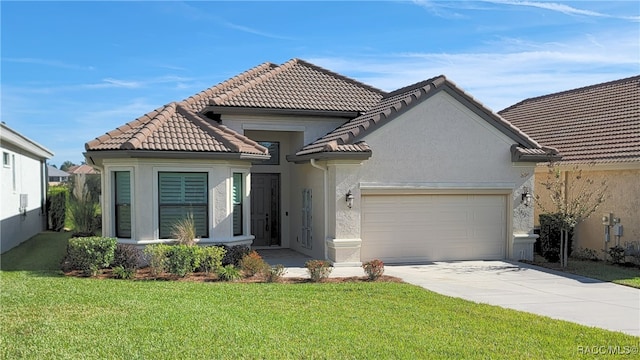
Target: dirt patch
{"points": [[146, 275]]}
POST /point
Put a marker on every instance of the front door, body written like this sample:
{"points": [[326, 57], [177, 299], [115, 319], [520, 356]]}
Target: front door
{"points": [[265, 209]]}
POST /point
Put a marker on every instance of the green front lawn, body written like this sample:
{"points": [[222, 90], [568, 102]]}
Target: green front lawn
{"points": [[45, 315], [601, 270]]}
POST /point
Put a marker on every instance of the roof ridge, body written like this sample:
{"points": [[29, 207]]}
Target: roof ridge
{"points": [[230, 138], [419, 84], [225, 85], [334, 74], [572, 91], [126, 127], [150, 127]]}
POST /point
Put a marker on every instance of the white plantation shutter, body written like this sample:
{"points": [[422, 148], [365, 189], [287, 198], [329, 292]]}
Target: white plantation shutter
{"points": [[237, 203], [123, 203], [181, 194]]}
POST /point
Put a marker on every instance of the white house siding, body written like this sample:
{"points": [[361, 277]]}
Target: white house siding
{"points": [[440, 145], [24, 175]]}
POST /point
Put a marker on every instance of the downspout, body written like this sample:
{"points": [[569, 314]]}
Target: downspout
{"points": [[326, 203], [44, 189]]}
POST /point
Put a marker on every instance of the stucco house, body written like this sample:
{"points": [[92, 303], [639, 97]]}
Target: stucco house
{"points": [[296, 156], [596, 128], [56, 176], [23, 188]]}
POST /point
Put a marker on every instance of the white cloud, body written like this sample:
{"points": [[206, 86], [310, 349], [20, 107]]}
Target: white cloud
{"points": [[48, 62], [562, 8]]}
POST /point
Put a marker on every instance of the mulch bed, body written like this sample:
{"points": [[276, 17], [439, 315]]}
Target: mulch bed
{"points": [[145, 275]]}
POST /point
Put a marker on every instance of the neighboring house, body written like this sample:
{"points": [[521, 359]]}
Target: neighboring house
{"points": [[24, 188], [296, 156], [56, 176], [597, 128]]}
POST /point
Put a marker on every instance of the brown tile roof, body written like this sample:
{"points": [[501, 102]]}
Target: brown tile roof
{"points": [[174, 127], [82, 169], [598, 123], [295, 84], [347, 137]]}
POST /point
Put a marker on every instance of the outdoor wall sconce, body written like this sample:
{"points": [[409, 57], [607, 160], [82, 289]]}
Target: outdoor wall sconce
{"points": [[349, 199], [526, 196]]}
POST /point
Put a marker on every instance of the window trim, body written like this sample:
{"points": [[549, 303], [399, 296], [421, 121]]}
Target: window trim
{"points": [[108, 199], [6, 159], [115, 203]]}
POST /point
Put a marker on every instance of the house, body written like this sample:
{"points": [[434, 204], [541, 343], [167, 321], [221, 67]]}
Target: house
{"points": [[24, 188], [597, 129], [296, 156], [56, 176]]}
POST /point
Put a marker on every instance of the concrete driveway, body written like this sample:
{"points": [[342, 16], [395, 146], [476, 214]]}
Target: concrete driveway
{"points": [[532, 289], [510, 285]]}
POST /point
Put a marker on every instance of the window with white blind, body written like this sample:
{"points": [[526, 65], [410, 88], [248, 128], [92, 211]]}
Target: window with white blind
{"points": [[306, 219], [238, 201], [122, 181], [181, 194]]}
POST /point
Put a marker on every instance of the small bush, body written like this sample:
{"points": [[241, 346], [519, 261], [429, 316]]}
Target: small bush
{"points": [[211, 258], [57, 207], [616, 253], [550, 231], [318, 269], [274, 274], [90, 254], [252, 264], [157, 257], [585, 254], [123, 273], [234, 254], [374, 269], [184, 230], [182, 259], [127, 256], [229, 273]]}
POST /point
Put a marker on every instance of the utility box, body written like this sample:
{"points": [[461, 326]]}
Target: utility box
{"points": [[617, 230]]}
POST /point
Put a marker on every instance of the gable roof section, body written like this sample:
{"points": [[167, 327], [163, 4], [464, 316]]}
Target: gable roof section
{"points": [[598, 123], [294, 85], [347, 138], [174, 127]]}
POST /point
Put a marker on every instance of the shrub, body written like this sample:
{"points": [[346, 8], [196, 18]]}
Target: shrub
{"points": [[252, 264], [318, 269], [123, 273], [616, 253], [182, 259], [157, 257], [57, 207], [274, 274], [585, 254], [184, 230], [234, 254], [229, 273], [127, 256], [211, 258], [550, 226], [374, 269], [90, 254]]}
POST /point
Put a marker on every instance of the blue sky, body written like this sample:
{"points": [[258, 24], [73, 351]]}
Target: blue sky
{"points": [[71, 71]]}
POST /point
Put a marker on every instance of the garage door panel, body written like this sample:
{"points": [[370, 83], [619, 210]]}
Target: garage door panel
{"points": [[406, 228]]}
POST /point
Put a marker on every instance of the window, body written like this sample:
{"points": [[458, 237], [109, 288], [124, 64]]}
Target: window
{"points": [[181, 194], [6, 159], [238, 197], [306, 219], [122, 180], [274, 151]]}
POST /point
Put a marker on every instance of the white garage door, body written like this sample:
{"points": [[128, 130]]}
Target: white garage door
{"points": [[412, 228]]}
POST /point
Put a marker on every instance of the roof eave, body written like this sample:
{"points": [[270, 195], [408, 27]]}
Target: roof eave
{"points": [[239, 110], [329, 155], [157, 154]]}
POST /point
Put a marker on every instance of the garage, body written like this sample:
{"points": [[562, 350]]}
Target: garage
{"points": [[433, 227]]}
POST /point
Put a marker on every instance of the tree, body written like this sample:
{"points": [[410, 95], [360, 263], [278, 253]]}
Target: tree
{"points": [[66, 165], [574, 197]]}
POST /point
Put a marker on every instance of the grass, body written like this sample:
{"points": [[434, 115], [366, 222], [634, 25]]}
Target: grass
{"points": [[46, 315], [601, 270]]}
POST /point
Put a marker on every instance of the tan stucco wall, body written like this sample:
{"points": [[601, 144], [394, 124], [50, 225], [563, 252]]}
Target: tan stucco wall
{"points": [[623, 201]]}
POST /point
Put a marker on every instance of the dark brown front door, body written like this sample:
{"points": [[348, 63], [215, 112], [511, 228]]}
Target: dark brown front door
{"points": [[265, 209]]}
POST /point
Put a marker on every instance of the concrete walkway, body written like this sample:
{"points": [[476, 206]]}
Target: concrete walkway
{"points": [[510, 285]]}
